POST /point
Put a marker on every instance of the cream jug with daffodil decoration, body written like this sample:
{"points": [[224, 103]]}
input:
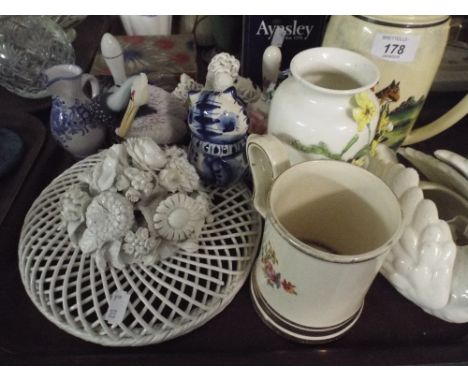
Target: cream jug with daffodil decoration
{"points": [[326, 108]]}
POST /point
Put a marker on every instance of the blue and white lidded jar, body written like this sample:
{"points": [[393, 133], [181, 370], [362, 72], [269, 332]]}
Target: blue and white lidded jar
{"points": [[218, 122]]}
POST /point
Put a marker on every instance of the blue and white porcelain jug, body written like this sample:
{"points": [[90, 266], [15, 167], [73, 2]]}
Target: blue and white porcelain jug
{"points": [[218, 122], [72, 121]]}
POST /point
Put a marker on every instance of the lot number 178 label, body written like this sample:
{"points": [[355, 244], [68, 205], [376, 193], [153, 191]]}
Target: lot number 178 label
{"points": [[400, 48]]}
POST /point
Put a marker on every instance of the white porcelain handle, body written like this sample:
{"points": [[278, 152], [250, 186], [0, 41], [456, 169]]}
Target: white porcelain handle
{"points": [[267, 160], [450, 118], [113, 55], [92, 81]]}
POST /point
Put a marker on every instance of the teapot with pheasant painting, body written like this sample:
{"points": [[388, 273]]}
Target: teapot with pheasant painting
{"points": [[408, 51]]}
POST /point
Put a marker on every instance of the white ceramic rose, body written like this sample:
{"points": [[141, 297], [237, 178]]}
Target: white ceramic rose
{"points": [[146, 153]]}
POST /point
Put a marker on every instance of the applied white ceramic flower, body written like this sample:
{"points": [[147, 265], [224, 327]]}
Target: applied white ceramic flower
{"points": [[178, 217], [104, 173], [179, 175], [140, 180], [246, 90], [226, 63], [425, 266], [145, 153], [74, 204], [140, 246], [108, 217], [110, 214], [186, 84], [173, 152], [223, 71]]}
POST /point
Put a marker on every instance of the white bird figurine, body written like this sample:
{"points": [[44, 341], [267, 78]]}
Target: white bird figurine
{"points": [[425, 266], [163, 117], [448, 174], [453, 159]]}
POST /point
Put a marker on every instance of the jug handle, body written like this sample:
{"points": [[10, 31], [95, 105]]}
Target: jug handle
{"points": [[267, 160], [92, 81], [440, 124]]}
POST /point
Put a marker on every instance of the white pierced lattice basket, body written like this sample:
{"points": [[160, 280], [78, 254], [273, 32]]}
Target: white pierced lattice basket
{"points": [[167, 300]]}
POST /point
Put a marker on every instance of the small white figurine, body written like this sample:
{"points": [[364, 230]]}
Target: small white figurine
{"points": [[139, 204]]}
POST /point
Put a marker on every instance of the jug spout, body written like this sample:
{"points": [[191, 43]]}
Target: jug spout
{"points": [[441, 124]]}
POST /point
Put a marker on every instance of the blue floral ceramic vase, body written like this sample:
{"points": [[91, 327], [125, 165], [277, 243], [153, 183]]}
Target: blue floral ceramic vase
{"points": [[218, 123]]}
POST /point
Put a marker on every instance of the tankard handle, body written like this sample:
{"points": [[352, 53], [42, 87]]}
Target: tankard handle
{"points": [[439, 125], [267, 160], [92, 81]]}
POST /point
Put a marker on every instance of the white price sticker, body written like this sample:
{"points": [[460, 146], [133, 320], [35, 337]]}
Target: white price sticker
{"points": [[392, 47], [117, 307]]}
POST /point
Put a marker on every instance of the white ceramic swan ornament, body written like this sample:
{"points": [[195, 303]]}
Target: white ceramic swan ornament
{"points": [[425, 266]]}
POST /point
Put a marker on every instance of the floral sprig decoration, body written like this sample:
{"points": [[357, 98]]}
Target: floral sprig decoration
{"points": [[139, 204], [364, 111], [273, 277]]}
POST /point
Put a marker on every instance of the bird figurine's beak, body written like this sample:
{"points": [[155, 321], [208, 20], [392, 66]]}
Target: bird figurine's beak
{"points": [[139, 96]]}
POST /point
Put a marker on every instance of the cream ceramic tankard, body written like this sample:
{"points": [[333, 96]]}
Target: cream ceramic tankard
{"points": [[408, 51], [326, 107], [328, 227]]}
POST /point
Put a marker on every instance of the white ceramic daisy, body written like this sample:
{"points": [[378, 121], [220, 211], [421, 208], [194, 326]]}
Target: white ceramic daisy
{"points": [[178, 217]]}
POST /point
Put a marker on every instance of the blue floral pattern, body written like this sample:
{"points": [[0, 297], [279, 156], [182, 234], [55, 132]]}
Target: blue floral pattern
{"points": [[67, 121], [217, 116]]}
